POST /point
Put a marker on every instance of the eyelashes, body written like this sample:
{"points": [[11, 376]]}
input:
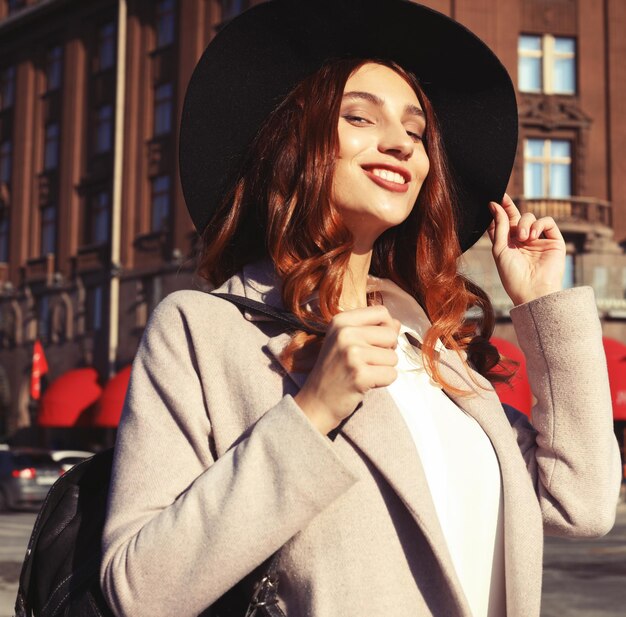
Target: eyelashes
{"points": [[357, 120]]}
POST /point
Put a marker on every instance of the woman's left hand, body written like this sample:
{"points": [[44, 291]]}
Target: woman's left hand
{"points": [[529, 252]]}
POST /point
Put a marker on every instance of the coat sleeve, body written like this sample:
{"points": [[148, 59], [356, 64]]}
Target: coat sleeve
{"points": [[570, 449], [183, 528]]}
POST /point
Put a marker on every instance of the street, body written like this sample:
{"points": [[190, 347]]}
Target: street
{"points": [[582, 578]]}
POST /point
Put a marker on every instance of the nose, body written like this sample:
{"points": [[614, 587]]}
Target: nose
{"points": [[395, 141]]}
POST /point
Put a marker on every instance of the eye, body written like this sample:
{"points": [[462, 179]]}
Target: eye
{"points": [[356, 120], [416, 137]]}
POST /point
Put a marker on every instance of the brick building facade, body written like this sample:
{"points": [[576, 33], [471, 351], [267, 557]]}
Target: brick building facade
{"points": [[93, 226]]}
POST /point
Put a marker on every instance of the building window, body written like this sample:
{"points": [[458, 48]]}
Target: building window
{"points": [[232, 8], [51, 148], [165, 22], [569, 277], [15, 5], [163, 101], [547, 168], [4, 235], [106, 47], [54, 68], [104, 129], [7, 87], [160, 203], [97, 219], [95, 308], [547, 64], [48, 229], [43, 318], [5, 162]]}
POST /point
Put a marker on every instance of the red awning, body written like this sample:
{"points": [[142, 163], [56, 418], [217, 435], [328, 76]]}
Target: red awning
{"points": [[517, 392], [112, 400], [616, 363], [67, 397]]}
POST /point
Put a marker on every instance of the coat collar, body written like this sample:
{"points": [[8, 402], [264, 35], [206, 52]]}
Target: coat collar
{"points": [[379, 431]]}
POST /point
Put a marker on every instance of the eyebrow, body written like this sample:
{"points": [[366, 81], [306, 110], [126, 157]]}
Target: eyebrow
{"points": [[376, 100]]}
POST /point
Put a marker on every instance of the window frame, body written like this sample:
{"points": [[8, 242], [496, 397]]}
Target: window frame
{"points": [[163, 110], [95, 212], [157, 197], [164, 24], [47, 225], [547, 160], [548, 57], [7, 85], [51, 147]]}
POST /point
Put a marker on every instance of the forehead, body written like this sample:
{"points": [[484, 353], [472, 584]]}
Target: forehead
{"points": [[383, 82]]}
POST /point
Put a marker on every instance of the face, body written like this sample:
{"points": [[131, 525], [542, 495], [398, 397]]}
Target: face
{"points": [[381, 163]]}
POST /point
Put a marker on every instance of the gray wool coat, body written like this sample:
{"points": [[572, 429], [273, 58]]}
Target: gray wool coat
{"points": [[216, 467]]}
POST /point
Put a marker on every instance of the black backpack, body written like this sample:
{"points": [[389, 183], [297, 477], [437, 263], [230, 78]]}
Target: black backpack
{"points": [[60, 573]]}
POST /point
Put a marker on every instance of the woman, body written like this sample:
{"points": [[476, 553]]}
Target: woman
{"points": [[377, 458]]}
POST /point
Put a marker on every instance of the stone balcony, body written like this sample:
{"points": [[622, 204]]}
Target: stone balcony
{"points": [[582, 211]]}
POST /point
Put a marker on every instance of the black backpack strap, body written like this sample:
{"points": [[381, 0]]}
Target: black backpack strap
{"points": [[283, 317]]}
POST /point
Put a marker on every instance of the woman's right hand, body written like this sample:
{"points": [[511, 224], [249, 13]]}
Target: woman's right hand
{"points": [[356, 356]]}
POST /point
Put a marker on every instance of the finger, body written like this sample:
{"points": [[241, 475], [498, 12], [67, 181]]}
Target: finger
{"points": [[524, 225], [511, 209], [491, 230], [379, 336], [375, 377], [368, 316], [373, 356], [501, 227], [546, 226]]}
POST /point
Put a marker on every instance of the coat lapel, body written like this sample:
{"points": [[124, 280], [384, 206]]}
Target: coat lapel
{"points": [[378, 430], [380, 433]]}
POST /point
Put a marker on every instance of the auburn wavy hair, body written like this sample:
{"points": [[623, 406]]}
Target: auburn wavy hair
{"points": [[280, 206]]}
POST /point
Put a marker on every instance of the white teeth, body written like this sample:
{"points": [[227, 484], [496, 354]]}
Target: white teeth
{"points": [[390, 176]]}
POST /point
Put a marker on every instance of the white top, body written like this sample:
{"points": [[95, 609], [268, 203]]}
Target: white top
{"points": [[458, 459]]}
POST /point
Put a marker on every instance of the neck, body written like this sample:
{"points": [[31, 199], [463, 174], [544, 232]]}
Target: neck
{"points": [[354, 290]]}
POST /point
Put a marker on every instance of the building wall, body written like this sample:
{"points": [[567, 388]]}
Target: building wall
{"points": [[55, 296]]}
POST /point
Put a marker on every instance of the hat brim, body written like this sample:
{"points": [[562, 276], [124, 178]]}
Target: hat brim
{"points": [[259, 57]]}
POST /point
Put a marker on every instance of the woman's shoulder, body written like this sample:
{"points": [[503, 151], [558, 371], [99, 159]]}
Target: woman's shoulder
{"points": [[191, 306]]}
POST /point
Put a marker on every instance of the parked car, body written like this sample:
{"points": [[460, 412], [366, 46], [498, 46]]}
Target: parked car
{"points": [[68, 458], [26, 475]]}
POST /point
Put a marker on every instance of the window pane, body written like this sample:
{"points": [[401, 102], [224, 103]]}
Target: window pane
{"points": [[568, 276], [48, 229], [160, 203], [43, 317], [5, 162], [564, 76], [96, 313], [98, 218], [53, 69], [529, 43], [560, 148], [529, 74], [4, 236], [51, 153], [564, 45], [7, 87], [534, 147], [560, 181], [106, 48], [163, 109], [104, 129], [165, 23], [533, 180]]}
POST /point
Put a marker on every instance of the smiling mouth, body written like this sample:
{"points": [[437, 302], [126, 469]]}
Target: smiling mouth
{"points": [[391, 176], [388, 179]]}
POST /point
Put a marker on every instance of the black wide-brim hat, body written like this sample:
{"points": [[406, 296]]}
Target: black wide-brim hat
{"points": [[261, 55]]}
